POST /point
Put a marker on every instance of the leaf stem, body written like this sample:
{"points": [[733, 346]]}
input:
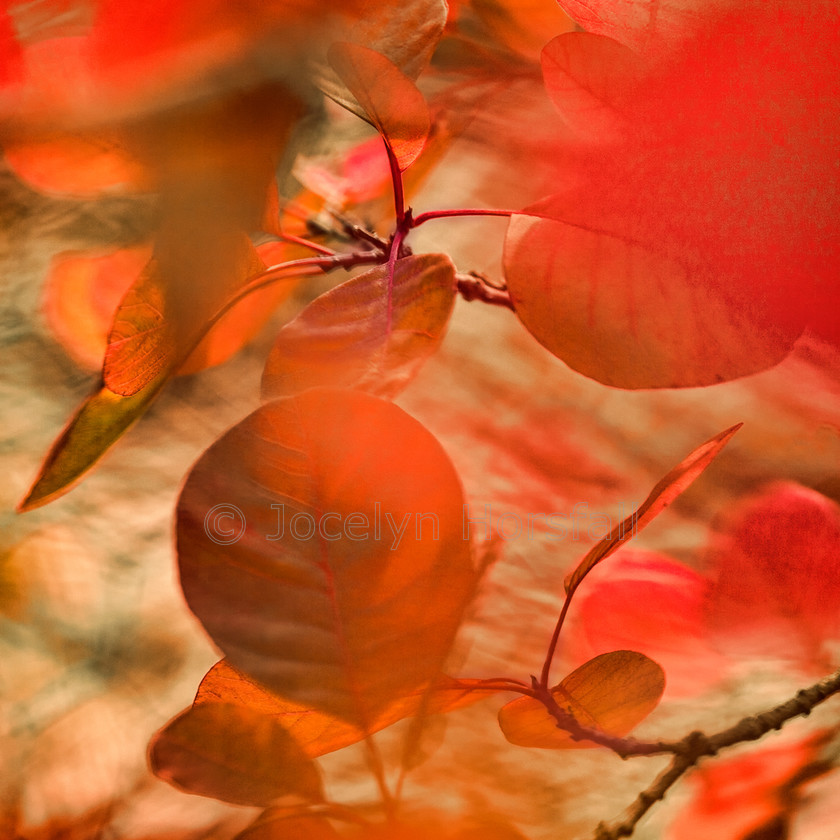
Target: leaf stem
{"points": [[397, 180], [552, 645], [447, 214], [306, 243], [294, 268]]}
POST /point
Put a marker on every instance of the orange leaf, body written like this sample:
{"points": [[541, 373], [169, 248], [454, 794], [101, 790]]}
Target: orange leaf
{"points": [[317, 732], [80, 165], [234, 754], [346, 595], [666, 490], [587, 76], [521, 25], [389, 100], [372, 333], [153, 330], [612, 692], [105, 416]]}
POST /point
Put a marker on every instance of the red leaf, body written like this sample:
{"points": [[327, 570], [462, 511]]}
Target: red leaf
{"points": [[650, 603], [372, 333], [666, 490], [697, 247], [613, 692], [389, 100], [234, 754], [344, 609], [626, 314], [776, 579], [641, 23], [734, 797]]}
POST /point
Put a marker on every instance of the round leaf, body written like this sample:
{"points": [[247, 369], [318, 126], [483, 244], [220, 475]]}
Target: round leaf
{"points": [[612, 692], [341, 573]]}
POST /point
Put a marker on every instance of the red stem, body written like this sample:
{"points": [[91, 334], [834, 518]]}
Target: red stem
{"points": [[552, 646], [445, 214]]}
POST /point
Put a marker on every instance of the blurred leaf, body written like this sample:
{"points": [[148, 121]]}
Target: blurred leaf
{"points": [[215, 163], [586, 76], [406, 32], [389, 100], [650, 603], [613, 692], [346, 595], [285, 824], [151, 335], [522, 26], [776, 579], [736, 796], [231, 753], [372, 333], [666, 490], [79, 165]]}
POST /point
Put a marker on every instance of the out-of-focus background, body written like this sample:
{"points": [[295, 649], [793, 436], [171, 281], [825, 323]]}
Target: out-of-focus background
{"points": [[97, 647]]}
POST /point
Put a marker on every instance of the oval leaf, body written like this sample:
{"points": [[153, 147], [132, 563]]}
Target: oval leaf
{"points": [[346, 595], [629, 314], [390, 101], [666, 490], [234, 754], [372, 333], [98, 423], [612, 692]]}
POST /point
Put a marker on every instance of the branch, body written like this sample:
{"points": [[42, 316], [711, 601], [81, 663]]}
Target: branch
{"points": [[474, 286], [695, 746]]}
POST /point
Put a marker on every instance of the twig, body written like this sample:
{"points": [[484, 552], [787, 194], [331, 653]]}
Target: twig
{"points": [[474, 286], [695, 746]]}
